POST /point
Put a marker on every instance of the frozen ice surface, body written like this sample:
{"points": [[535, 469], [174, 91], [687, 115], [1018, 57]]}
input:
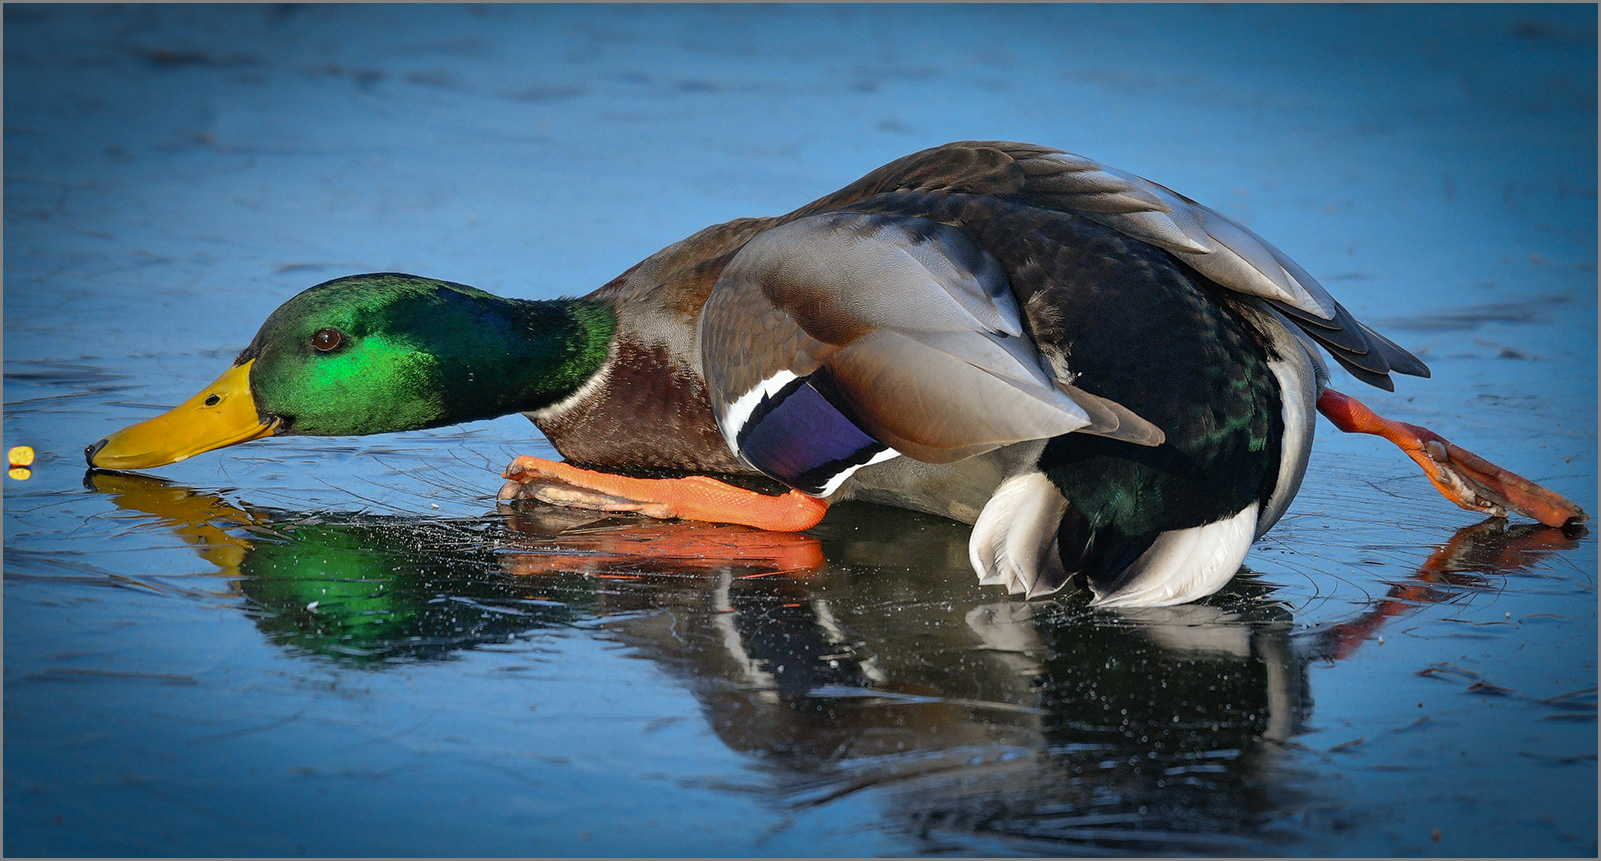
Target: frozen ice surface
{"points": [[370, 676]]}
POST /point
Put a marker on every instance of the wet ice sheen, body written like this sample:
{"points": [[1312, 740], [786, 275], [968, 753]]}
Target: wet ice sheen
{"points": [[288, 649]]}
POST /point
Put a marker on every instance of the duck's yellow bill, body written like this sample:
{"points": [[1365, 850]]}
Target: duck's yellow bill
{"points": [[222, 414]]}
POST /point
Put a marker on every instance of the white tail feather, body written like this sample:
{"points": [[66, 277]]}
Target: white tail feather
{"points": [[1014, 533], [1187, 564]]}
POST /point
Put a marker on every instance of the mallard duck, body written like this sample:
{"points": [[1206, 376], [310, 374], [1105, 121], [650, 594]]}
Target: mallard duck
{"points": [[1110, 381]]}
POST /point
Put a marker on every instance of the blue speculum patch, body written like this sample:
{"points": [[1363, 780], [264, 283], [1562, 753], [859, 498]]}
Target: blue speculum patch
{"points": [[800, 438]]}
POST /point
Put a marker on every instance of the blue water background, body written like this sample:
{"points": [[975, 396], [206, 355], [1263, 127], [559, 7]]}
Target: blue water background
{"points": [[174, 173]]}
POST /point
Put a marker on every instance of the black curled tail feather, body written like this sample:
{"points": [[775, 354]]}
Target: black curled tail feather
{"points": [[1103, 556], [1032, 540]]}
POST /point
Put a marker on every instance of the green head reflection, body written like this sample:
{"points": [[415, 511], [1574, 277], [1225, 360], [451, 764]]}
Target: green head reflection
{"points": [[322, 589], [364, 591]]}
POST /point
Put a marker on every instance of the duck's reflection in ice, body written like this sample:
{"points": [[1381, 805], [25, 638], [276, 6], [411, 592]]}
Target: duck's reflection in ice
{"points": [[861, 660]]}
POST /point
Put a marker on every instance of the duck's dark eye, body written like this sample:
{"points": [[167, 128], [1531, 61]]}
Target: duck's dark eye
{"points": [[327, 339], [213, 401]]}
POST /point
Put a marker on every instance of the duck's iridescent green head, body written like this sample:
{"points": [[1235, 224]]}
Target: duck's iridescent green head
{"points": [[375, 354]]}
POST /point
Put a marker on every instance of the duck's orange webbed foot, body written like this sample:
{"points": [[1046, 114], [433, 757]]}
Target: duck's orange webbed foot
{"points": [[696, 497], [1462, 476]]}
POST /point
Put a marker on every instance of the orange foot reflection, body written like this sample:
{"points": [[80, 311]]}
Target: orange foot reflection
{"points": [[633, 549], [1489, 547]]}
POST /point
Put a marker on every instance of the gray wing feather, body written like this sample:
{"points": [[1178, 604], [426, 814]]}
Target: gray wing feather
{"points": [[1214, 245], [938, 406], [1217, 247], [917, 325], [1224, 251], [1112, 419]]}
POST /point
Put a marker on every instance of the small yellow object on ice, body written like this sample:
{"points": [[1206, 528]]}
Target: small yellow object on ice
{"points": [[20, 473], [21, 455]]}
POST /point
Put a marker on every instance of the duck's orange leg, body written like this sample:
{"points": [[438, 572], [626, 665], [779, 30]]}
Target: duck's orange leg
{"points": [[1462, 476], [696, 497]]}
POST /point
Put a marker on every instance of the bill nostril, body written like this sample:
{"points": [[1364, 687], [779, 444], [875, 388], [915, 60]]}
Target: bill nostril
{"points": [[90, 452]]}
